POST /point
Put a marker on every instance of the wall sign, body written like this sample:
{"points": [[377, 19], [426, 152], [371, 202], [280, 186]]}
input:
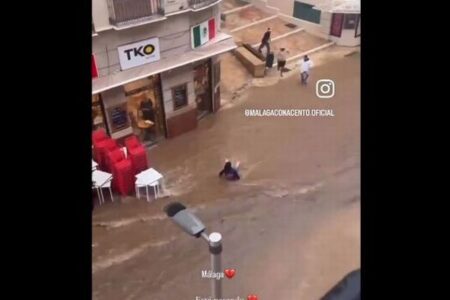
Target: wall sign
{"points": [[140, 53], [118, 117]]}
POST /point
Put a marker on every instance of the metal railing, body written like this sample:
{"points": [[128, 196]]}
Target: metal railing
{"points": [[126, 11]]}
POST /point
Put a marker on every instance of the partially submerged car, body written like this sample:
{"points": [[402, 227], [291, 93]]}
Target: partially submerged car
{"points": [[349, 288]]}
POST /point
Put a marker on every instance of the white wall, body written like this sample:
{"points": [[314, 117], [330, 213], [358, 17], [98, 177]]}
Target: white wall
{"points": [[174, 38], [173, 78], [348, 38], [100, 15], [175, 5]]}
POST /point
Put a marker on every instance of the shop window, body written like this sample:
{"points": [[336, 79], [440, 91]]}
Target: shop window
{"points": [[306, 12], [350, 21], [179, 96], [118, 117]]}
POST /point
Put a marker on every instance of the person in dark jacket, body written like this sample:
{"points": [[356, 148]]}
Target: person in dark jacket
{"points": [[281, 60], [229, 172], [147, 110], [148, 114], [265, 41]]}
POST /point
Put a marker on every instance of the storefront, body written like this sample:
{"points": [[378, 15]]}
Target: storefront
{"points": [[346, 28], [145, 109], [135, 108], [341, 21], [161, 105], [155, 98]]}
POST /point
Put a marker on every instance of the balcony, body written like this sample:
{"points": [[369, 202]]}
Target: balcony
{"points": [[126, 13], [200, 4]]}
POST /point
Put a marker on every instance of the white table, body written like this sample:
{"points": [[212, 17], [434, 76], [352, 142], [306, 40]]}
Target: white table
{"points": [[94, 165], [100, 180], [149, 177]]}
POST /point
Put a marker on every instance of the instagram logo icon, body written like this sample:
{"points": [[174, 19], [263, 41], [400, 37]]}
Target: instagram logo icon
{"points": [[325, 88]]}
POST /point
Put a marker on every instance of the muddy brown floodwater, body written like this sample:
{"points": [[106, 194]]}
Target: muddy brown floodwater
{"points": [[290, 227]]}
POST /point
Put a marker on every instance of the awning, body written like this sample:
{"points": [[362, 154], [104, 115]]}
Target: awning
{"points": [[220, 44]]}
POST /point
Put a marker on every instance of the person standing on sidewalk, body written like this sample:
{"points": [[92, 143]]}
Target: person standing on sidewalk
{"points": [[305, 65], [281, 60], [265, 42]]}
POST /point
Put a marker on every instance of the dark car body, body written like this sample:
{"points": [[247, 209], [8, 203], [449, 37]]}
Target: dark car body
{"points": [[349, 288]]}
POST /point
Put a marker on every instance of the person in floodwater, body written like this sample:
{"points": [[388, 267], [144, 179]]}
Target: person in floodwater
{"points": [[229, 172]]}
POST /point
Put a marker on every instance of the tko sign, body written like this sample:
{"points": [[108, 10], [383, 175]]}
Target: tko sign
{"points": [[139, 53]]}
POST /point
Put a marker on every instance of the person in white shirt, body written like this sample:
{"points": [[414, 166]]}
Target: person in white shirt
{"points": [[281, 60], [305, 65]]}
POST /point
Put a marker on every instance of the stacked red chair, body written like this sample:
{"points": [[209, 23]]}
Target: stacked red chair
{"points": [[97, 137], [102, 148], [113, 157], [132, 142], [123, 177], [137, 154]]}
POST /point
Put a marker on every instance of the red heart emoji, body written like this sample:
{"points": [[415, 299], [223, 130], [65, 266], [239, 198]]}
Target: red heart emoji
{"points": [[230, 273], [252, 297]]}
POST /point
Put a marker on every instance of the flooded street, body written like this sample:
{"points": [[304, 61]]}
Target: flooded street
{"points": [[290, 226]]}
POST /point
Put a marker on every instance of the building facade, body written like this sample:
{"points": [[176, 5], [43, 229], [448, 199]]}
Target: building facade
{"points": [[155, 66], [336, 20]]}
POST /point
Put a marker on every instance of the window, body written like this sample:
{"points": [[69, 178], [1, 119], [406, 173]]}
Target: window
{"points": [[124, 12], [350, 21], [358, 27], [306, 12], [179, 96]]}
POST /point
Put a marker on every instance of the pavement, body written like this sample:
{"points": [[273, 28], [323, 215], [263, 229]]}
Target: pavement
{"points": [[227, 5], [243, 17], [235, 77]]}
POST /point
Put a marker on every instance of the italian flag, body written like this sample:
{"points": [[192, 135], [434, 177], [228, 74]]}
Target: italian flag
{"points": [[203, 32]]}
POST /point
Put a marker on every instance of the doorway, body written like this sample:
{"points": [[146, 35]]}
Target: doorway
{"points": [[202, 88], [145, 109], [336, 25]]}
